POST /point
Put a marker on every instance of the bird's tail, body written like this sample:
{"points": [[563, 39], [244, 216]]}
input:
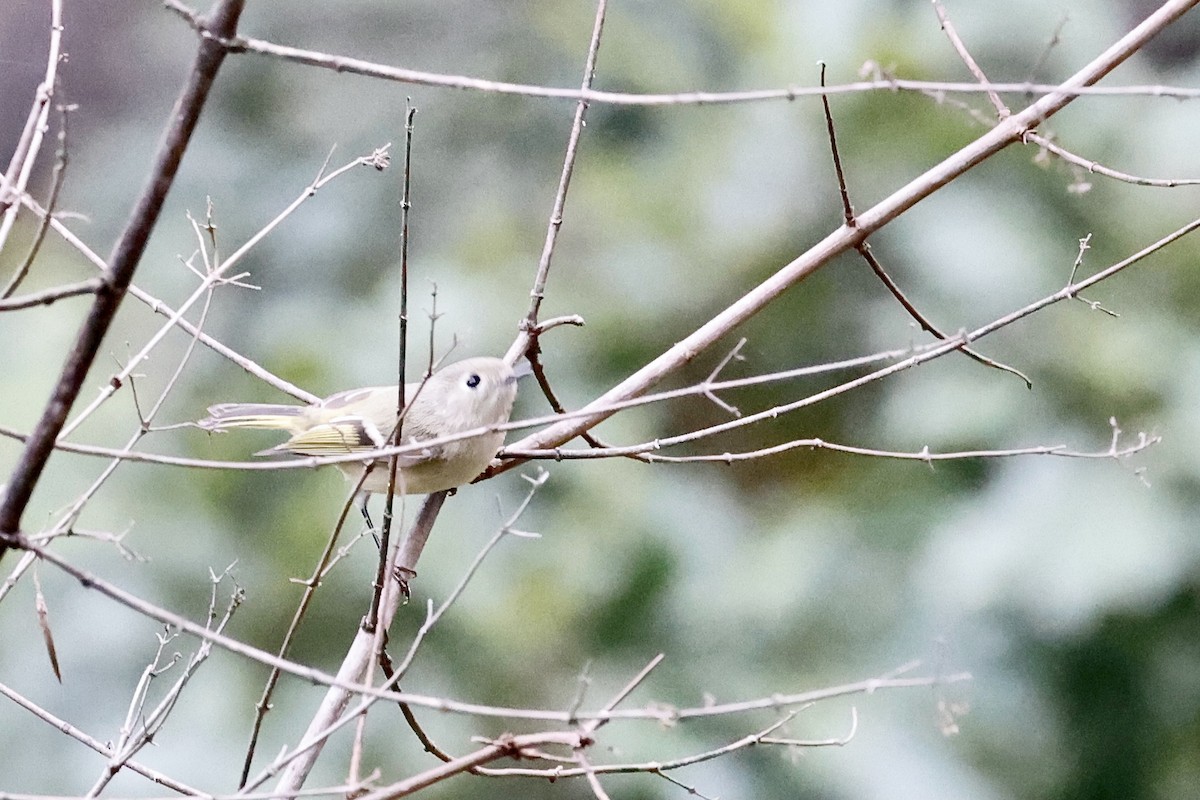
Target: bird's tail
{"points": [[251, 415]]}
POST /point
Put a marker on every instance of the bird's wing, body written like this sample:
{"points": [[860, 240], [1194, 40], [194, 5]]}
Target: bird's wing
{"points": [[349, 434], [371, 395]]}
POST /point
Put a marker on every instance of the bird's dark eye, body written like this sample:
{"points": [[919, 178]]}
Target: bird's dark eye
{"points": [[473, 380]]}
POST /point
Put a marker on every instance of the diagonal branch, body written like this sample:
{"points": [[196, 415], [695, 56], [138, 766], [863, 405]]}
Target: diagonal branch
{"points": [[15, 179], [864, 249], [1008, 131], [162, 309], [538, 293], [123, 263]]}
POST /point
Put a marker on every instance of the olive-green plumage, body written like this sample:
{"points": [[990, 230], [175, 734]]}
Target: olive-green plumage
{"points": [[467, 395]]}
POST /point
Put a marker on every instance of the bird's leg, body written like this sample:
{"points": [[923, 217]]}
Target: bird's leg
{"points": [[401, 574], [362, 499]]}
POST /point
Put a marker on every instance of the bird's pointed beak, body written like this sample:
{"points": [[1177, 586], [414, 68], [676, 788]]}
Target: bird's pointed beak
{"points": [[521, 368]]}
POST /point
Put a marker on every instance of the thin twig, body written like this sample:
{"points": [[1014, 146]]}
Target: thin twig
{"points": [[864, 250], [397, 435], [159, 307], [506, 529], [395, 672], [840, 741], [597, 410], [16, 178], [924, 455], [142, 726], [528, 341], [1033, 137], [592, 725], [1097, 168], [56, 183], [310, 588], [1002, 110], [357, 66], [538, 293], [217, 274], [48, 296], [654, 767], [590, 773], [868, 255], [67, 519], [124, 261], [1051, 43], [104, 749], [661, 714], [1008, 131], [503, 747], [360, 655], [594, 410]]}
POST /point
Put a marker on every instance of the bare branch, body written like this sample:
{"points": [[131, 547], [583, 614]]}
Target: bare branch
{"points": [[56, 184], [840, 741], [597, 411], [924, 455], [48, 296], [504, 747], [538, 292], [357, 66], [96, 745], [16, 177], [217, 275], [864, 249], [1054, 40], [311, 585], [122, 264], [332, 715], [161, 308], [654, 767], [1006, 132], [1002, 110], [619, 697], [1096, 168]]}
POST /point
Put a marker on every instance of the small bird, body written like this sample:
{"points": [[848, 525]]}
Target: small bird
{"points": [[466, 395]]}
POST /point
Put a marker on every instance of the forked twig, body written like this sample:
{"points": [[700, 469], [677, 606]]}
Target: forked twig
{"points": [[56, 183], [1002, 110], [864, 249], [1008, 131], [528, 341], [20, 167]]}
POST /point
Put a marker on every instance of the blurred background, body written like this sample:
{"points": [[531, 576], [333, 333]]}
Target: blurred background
{"points": [[1068, 588]]}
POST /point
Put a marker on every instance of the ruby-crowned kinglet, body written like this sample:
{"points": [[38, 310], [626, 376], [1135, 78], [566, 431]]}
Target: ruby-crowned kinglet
{"points": [[469, 394]]}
